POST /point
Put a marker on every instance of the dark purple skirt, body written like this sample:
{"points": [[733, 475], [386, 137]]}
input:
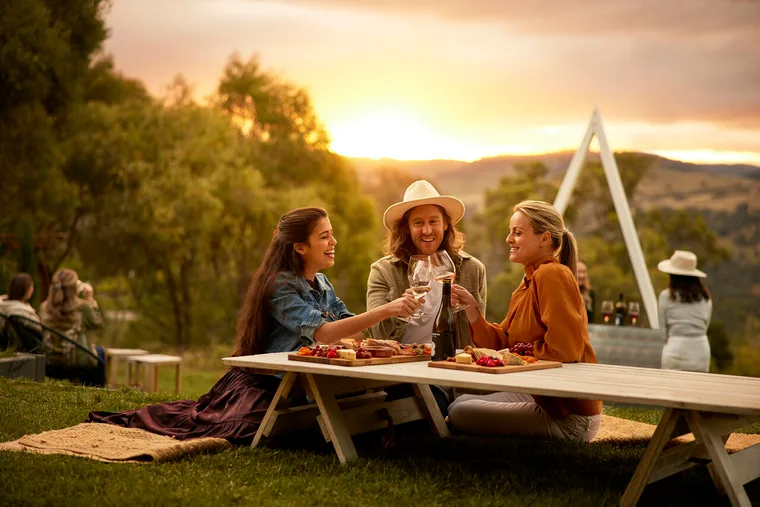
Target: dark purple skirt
{"points": [[233, 409]]}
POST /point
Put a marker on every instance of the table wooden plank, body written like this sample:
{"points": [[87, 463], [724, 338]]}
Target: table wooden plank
{"points": [[714, 393]]}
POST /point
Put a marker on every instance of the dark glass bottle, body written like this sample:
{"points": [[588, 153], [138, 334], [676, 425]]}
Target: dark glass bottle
{"points": [[444, 330], [620, 311]]}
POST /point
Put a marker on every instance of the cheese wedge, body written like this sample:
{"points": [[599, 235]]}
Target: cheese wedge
{"points": [[463, 358], [347, 354]]}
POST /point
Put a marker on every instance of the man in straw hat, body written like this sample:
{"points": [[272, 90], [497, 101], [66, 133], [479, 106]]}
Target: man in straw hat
{"points": [[685, 309], [423, 223]]}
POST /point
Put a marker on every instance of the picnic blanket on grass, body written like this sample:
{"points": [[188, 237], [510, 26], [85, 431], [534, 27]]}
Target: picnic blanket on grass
{"points": [[112, 444], [615, 429]]}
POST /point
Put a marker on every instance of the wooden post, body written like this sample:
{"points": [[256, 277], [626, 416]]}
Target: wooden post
{"points": [[615, 184]]}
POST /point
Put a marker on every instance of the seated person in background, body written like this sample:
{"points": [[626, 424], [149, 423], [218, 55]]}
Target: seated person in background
{"points": [[685, 309], [65, 312], [423, 223], [587, 293], [546, 311], [16, 302], [289, 304]]}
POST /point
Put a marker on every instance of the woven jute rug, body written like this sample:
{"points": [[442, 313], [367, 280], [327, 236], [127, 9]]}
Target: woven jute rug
{"points": [[614, 429], [112, 444]]}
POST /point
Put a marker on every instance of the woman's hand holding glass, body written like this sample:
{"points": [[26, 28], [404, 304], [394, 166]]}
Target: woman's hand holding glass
{"points": [[403, 307], [445, 269], [462, 297]]}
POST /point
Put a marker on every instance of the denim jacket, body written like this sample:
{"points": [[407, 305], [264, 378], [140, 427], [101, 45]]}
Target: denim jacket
{"points": [[296, 311]]}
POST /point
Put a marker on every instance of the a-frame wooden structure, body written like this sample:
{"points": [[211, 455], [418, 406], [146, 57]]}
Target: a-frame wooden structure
{"points": [[595, 128]]}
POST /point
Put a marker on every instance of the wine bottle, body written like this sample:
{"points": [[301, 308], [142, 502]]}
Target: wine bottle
{"points": [[620, 311], [444, 330]]}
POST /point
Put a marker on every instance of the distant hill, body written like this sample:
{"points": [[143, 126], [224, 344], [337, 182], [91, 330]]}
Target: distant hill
{"points": [[709, 186]]}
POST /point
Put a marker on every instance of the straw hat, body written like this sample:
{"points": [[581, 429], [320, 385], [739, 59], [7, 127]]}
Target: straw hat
{"points": [[683, 263], [420, 193]]}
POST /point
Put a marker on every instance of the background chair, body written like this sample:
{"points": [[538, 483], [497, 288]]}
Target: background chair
{"points": [[27, 336]]}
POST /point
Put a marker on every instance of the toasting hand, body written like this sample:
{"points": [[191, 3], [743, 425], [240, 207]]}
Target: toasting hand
{"points": [[403, 306]]}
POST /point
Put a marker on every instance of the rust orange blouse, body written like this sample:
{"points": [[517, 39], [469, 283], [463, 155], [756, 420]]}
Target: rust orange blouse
{"points": [[547, 310]]}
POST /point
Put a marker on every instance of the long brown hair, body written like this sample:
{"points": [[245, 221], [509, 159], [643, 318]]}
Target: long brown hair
{"points": [[545, 217], [62, 303], [19, 286], [295, 226], [690, 289], [398, 240]]}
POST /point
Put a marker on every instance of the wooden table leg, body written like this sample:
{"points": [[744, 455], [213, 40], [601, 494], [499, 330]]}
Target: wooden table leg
{"points": [[286, 384], [154, 379], [648, 461], [722, 466], [333, 419], [430, 410]]}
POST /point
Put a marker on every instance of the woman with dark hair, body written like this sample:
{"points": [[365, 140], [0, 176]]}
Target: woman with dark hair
{"points": [[74, 317], [16, 302], [685, 309], [289, 304], [547, 312], [423, 223]]}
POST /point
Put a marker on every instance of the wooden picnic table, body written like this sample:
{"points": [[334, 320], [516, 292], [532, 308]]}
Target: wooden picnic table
{"points": [[708, 405]]}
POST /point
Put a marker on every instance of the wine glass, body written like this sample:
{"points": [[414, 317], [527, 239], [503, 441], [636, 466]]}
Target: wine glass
{"points": [[633, 311], [607, 308], [421, 277], [445, 269]]}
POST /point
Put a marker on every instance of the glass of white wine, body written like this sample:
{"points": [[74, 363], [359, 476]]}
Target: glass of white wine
{"points": [[420, 273], [445, 269]]}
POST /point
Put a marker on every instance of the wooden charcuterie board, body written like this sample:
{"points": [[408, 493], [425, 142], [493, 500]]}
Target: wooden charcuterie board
{"points": [[538, 365], [358, 362]]}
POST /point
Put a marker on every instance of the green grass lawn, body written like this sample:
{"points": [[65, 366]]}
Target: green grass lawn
{"points": [[302, 470]]}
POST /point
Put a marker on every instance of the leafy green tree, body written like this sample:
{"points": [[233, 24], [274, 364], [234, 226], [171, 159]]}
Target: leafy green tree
{"points": [[286, 142], [45, 51]]}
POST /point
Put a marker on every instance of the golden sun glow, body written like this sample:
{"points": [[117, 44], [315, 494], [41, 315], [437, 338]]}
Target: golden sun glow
{"points": [[401, 135]]}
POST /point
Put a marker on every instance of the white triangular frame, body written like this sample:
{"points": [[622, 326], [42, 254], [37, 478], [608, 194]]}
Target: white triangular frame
{"points": [[595, 128]]}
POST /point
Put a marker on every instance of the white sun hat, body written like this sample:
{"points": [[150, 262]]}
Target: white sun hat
{"points": [[420, 193], [682, 262]]}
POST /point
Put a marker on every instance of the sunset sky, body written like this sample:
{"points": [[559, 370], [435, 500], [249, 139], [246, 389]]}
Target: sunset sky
{"points": [[466, 79]]}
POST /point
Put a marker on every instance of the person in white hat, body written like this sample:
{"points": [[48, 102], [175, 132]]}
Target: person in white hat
{"points": [[685, 310], [424, 222]]}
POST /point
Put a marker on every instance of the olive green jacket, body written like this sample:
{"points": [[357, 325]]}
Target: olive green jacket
{"points": [[388, 281]]}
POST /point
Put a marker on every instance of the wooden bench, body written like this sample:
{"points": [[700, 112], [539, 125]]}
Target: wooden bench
{"points": [[152, 363], [113, 358], [708, 405]]}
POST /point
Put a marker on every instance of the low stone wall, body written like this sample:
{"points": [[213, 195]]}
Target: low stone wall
{"points": [[23, 365], [627, 345]]}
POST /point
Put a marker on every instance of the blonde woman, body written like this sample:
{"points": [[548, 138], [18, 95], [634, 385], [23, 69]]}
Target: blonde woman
{"points": [[547, 311], [66, 313]]}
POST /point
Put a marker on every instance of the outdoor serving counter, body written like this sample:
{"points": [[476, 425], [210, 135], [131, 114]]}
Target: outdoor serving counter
{"points": [[627, 345]]}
